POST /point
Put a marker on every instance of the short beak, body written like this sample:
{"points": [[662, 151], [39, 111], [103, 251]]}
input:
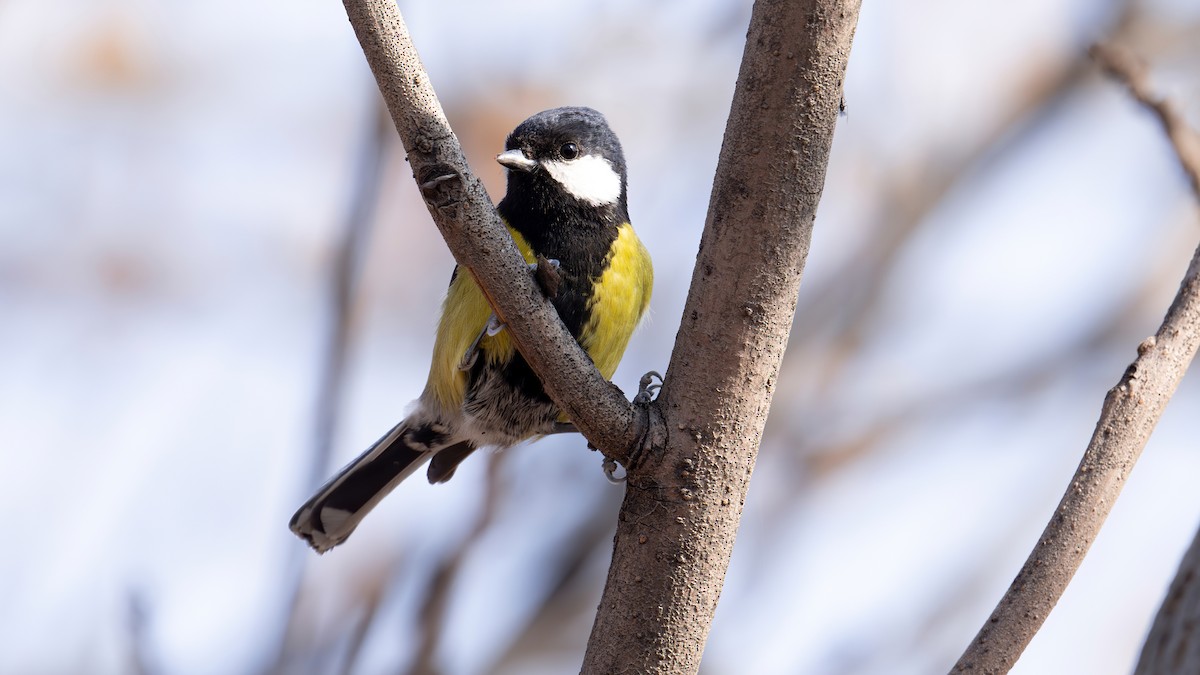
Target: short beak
{"points": [[515, 159]]}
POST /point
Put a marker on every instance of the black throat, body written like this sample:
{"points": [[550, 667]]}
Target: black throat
{"points": [[559, 227]]}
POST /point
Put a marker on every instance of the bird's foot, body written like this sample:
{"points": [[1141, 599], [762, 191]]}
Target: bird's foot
{"points": [[610, 471], [546, 274], [647, 388], [652, 430]]}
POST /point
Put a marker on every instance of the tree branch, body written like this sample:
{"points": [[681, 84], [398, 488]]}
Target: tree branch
{"points": [[1130, 412], [1127, 68], [343, 278], [441, 583], [1173, 647], [680, 515], [464, 214], [660, 598]]}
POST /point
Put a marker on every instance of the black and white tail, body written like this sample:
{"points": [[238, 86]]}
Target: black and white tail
{"points": [[329, 517]]}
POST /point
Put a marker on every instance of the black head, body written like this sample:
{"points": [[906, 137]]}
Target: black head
{"points": [[565, 158]]}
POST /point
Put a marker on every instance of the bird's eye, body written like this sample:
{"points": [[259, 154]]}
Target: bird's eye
{"points": [[569, 151]]}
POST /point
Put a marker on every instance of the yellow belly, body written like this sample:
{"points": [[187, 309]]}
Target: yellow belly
{"points": [[619, 301], [617, 304]]}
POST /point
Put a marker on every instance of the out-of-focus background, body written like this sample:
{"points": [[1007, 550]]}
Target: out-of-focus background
{"points": [[181, 182]]}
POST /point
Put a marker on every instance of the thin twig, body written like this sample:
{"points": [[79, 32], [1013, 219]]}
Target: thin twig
{"points": [[1171, 646], [343, 277], [370, 598], [140, 660], [1131, 71], [441, 583], [1130, 412]]}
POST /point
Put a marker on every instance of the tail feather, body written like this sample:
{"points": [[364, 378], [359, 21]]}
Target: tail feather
{"points": [[329, 517], [442, 468]]}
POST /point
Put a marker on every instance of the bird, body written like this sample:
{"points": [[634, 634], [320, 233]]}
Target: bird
{"points": [[565, 204]]}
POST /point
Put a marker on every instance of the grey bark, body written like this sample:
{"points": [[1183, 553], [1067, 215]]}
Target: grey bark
{"points": [[1173, 645], [1129, 414], [677, 525]]}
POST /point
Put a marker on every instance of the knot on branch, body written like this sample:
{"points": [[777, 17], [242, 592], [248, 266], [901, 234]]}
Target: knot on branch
{"points": [[429, 134], [441, 185]]}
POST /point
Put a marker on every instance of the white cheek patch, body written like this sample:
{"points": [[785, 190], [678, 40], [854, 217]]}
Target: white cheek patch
{"points": [[589, 179]]}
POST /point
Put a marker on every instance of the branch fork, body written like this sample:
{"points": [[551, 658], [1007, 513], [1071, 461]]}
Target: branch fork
{"points": [[676, 528]]}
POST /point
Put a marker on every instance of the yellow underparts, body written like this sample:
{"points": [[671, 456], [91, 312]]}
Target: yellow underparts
{"points": [[617, 304], [618, 301]]}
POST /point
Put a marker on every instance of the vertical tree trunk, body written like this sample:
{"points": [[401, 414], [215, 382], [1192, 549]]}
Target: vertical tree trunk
{"points": [[1173, 646], [681, 512]]}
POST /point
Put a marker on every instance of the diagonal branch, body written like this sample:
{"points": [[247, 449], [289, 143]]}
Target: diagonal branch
{"points": [[1172, 645], [464, 214], [1124, 65], [1130, 412]]}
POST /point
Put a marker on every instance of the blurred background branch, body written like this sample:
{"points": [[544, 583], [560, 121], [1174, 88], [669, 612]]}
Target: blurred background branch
{"points": [[997, 230], [343, 277], [1124, 65], [1130, 413], [437, 593]]}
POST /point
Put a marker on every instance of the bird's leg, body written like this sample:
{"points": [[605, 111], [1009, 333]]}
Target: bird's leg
{"points": [[647, 388], [492, 327], [610, 471], [545, 272]]}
